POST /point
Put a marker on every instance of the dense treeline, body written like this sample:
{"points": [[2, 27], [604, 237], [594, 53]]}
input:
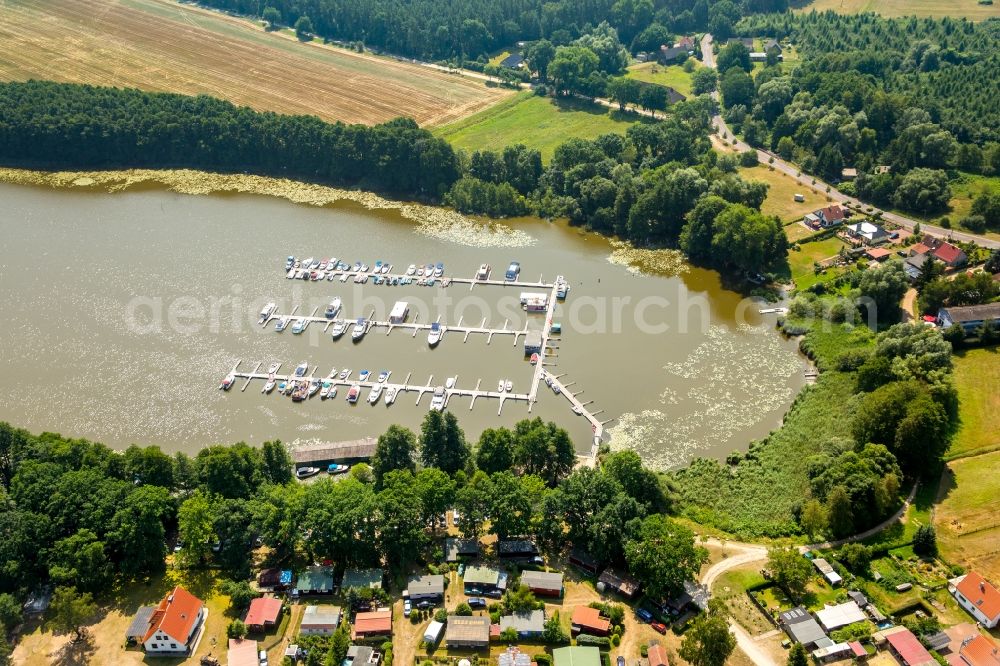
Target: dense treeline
{"points": [[76, 513], [78, 126], [902, 100], [472, 28]]}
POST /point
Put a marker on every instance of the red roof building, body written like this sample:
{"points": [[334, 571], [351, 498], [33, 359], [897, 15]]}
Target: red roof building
{"points": [[877, 253], [858, 650], [587, 620], [978, 597], [174, 624], [378, 623], [950, 255], [978, 651], [909, 650], [657, 656], [264, 612], [919, 248], [242, 652]]}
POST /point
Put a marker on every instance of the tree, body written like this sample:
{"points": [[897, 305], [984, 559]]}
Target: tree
{"points": [[798, 656], [463, 609], [923, 191], [276, 464], [10, 613], [748, 240], [436, 491], [194, 524], [856, 558], [882, 289], [236, 629], [737, 88], [272, 16], [71, 610], [339, 645], [708, 641], [641, 483], [539, 54], [663, 556], [80, 560], [553, 632], [544, 450], [135, 535], [150, 466], [840, 512], [735, 54], [442, 442], [704, 81], [925, 541], [239, 592], [813, 518], [304, 28], [791, 571], [393, 451], [495, 452], [571, 67], [519, 600], [624, 91], [653, 98]]}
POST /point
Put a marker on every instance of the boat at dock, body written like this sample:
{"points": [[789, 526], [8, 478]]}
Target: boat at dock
{"points": [[289, 262], [450, 382], [500, 385], [508, 386], [344, 277], [578, 410], [360, 328], [324, 392], [363, 375], [439, 270], [352, 395], [314, 388], [390, 395], [411, 269], [282, 386], [301, 392], [228, 382], [268, 386], [437, 401], [274, 368], [282, 324], [339, 327], [375, 394], [382, 376], [345, 373], [306, 263], [484, 272], [299, 325], [534, 359], [333, 308], [306, 472], [334, 468], [301, 368], [434, 334], [292, 272]]}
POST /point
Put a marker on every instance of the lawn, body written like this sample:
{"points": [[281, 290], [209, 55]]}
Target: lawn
{"points": [[537, 122], [781, 193], [934, 8], [965, 188], [803, 256], [673, 76], [977, 376], [967, 517]]}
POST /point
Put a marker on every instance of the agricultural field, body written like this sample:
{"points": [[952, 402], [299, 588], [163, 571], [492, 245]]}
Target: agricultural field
{"points": [[164, 46], [781, 193], [537, 122], [966, 517], [653, 72], [979, 410], [969, 9]]}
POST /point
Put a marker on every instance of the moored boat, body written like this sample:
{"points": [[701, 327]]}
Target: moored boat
{"points": [[508, 386], [314, 388], [345, 373], [301, 392], [339, 327], [434, 334], [334, 468], [268, 386], [299, 325], [282, 324], [301, 368], [352, 395], [375, 394], [363, 375], [411, 269], [306, 472], [534, 359], [450, 382], [333, 308], [439, 270], [437, 402], [360, 328], [390, 395], [324, 392], [382, 376], [484, 272], [500, 385], [228, 382]]}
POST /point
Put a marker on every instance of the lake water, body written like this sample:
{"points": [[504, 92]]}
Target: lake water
{"points": [[123, 312]]}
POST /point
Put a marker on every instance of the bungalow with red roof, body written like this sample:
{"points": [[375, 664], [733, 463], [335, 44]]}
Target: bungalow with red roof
{"points": [[824, 218], [657, 656], [368, 625], [587, 620], [951, 255], [877, 253], [976, 595], [918, 249], [908, 649], [175, 624], [242, 652], [264, 612], [976, 650]]}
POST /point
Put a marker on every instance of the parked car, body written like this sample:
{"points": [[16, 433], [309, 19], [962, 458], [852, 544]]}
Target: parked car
{"points": [[262, 658], [476, 602], [620, 661], [493, 594], [660, 627], [425, 605], [644, 615], [407, 607]]}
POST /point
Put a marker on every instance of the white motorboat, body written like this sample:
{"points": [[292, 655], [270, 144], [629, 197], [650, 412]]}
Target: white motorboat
{"points": [[390, 395], [268, 386], [282, 324], [333, 393], [577, 410], [364, 375], [450, 382], [434, 334], [419, 272], [339, 327], [324, 392], [500, 385], [306, 263], [299, 325], [306, 472], [228, 382], [333, 308], [301, 368], [314, 265], [352, 395], [437, 402], [314, 388], [382, 376], [439, 270], [375, 394], [289, 262], [411, 269], [386, 268], [556, 389], [360, 328], [274, 368], [291, 273], [344, 277], [484, 272], [345, 373], [508, 386], [365, 268]]}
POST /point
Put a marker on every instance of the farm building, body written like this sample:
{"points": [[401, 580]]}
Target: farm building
{"points": [[977, 595], [362, 578], [458, 548], [693, 594], [544, 583], [484, 579], [581, 559], [576, 655], [426, 587], [971, 317], [467, 631], [264, 612], [315, 580], [242, 652], [841, 615], [529, 624], [320, 620], [587, 620], [375, 623], [619, 582]]}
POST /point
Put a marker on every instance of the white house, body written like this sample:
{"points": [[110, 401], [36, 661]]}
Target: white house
{"points": [[976, 595], [175, 624]]}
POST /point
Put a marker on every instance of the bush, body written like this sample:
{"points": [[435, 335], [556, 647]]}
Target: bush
{"points": [[925, 541], [643, 651], [748, 158], [441, 615], [543, 660], [463, 609], [599, 641], [616, 640]]}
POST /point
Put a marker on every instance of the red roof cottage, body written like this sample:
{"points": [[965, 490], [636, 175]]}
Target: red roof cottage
{"points": [[977, 650], [976, 595], [587, 620], [264, 612], [175, 624], [908, 649], [952, 256]]}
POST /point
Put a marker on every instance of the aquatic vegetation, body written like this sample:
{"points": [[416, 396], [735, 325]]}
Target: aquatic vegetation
{"points": [[639, 260]]}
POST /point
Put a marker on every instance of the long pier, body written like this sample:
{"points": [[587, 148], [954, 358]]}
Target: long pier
{"points": [[444, 281]]}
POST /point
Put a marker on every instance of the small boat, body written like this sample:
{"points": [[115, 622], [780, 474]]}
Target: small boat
{"points": [[437, 402], [352, 395], [439, 270], [334, 468], [299, 325], [382, 376], [301, 368], [333, 308], [429, 270], [364, 374], [323, 263], [562, 290], [314, 265], [364, 267], [345, 373], [331, 276], [282, 386], [289, 387], [301, 392], [375, 394], [390, 395], [512, 271], [324, 392], [344, 277], [360, 328], [434, 334], [268, 386], [386, 268], [289, 262], [577, 410], [282, 324], [556, 389], [339, 327], [378, 279], [357, 266], [306, 263], [548, 380], [419, 272], [314, 388], [320, 276], [509, 386], [500, 385], [291, 273], [360, 278], [484, 272], [378, 265], [450, 382], [306, 472], [332, 394], [411, 269], [274, 368], [556, 328], [534, 359], [228, 382], [314, 275]]}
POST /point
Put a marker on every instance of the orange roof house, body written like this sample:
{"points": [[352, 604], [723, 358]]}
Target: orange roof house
{"points": [[977, 596], [378, 623], [264, 612], [587, 620], [657, 656], [978, 651], [242, 652], [175, 623]]}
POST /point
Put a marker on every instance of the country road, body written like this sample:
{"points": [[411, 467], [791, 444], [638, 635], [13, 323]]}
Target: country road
{"points": [[766, 157]]}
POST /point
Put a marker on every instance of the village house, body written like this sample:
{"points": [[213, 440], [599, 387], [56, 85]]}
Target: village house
{"points": [[802, 627], [459, 548], [242, 652], [484, 579], [467, 631], [362, 578], [621, 583], [950, 255], [320, 620], [543, 583], [175, 624], [971, 317], [824, 218], [372, 624], [529, 624], [914, 264], [656, 655], [581, 559], [314, 580], [977, 650], [577, 655], [587, 620], [516, 549], [362, 655], [425, 588], [513, 61], [908, 650], [879, 254], [974, 593], [264, 613], [672, 54], [867, 233]]}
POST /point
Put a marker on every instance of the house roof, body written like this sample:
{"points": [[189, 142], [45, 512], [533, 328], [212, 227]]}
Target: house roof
{"points": [[920, 248], [242, 652], [481, 576], [671, 52], [321, 616], [833, 212], [513, 657], [974, 587], [426, 585], [543, 580], [360, 654], [657, 656], [858, 649], [516, 547], [619, 581], [807, 632], [585, 616], [455, 547], [795, 616], [918, 260], [140, 623], [263, 610], [512, 61], [269, 577], [841, 615], [822, 565], [980, 651], [868, 229], [371, 578], [948, 253], [375, 622], [474, 628], [528, 622], [315, 578], [878, 252], [329, 451], [965, 313], [584, 558], [909, 649], [577, 655], [175, 616]]}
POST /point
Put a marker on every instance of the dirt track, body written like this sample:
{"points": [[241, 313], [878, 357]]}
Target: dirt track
{"points": [[164, 46]]}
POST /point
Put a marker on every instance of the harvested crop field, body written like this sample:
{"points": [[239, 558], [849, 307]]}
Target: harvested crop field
{"points": [[970, 9], [966, 517], [160, 45]]}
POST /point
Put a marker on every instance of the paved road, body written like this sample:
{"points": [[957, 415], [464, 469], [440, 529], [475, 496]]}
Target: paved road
{"points": [[807, 181]]}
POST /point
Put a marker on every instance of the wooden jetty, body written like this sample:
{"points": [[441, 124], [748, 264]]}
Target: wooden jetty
{"points": [[331, 452]]}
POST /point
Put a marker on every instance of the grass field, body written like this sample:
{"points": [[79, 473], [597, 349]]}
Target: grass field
{"points": [[977, 376], [801, 261], [537, 122], [967, 518], [935, 8], [165, 46], [673, 76], [967, 187], [781, 193]]}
